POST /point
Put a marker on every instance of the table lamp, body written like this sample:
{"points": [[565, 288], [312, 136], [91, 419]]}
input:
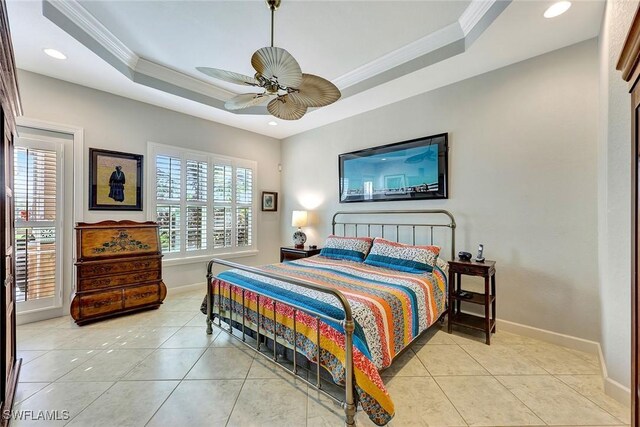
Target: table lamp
{"points": [[299, 219]]}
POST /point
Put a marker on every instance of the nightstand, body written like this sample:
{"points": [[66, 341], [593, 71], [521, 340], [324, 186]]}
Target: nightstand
{"points": [[290, 253], [487, 299]]}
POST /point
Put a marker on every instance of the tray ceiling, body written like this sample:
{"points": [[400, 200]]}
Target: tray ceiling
{"points": [[375, 52]]}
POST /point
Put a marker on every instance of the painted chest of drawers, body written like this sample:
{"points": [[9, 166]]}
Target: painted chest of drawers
{"points": [[118, 269]]}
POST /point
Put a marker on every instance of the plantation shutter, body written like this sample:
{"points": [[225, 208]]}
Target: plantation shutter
{"points": [[222, 206], [196, 208], [244, 206], [35, 196], [168, 209]]}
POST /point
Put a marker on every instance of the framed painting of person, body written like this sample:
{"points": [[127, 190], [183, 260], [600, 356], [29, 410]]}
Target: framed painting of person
{"points": [[115, 180]]}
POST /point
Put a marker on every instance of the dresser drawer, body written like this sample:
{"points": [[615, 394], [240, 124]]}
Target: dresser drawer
{"points": [[141, 295], [118, 280], [93, 269], [91, 305]]}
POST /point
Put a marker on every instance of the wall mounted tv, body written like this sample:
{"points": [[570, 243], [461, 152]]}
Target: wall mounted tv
{"points": [[408, 170]]}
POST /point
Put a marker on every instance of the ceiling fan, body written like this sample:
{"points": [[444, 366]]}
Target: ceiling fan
{"points": [[289, 91]]}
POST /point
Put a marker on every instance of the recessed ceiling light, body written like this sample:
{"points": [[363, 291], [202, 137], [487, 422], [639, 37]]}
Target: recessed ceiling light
{"points": [[55, 53], [557, 9], [272, 123]]}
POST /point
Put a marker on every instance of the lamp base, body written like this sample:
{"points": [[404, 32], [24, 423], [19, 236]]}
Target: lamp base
{"points": [[299, 238]]}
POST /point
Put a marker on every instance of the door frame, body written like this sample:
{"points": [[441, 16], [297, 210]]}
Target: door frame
{"points": [[78, 161]]}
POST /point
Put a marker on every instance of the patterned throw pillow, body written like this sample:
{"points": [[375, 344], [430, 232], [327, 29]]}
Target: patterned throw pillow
{"points": [[351, 248], [397, 256]]}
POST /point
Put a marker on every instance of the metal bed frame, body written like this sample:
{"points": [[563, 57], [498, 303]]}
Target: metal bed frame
{"points": [[349, 403]]}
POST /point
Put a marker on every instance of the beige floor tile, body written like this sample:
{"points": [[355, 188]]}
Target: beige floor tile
{"points": [[200, 403], [145, 337], [165, 364], [407, 365], [29, 355], [49, 339], [556, 360], [466, 336], [221, 363], [127, 403], [261, 368], [483, 401], [434, 336], [591, 386], [555, 402], [182, 304], [418, 402], [25, 390], [54, 364], [167, 318], [502, 360], [448, 360], [109, 365], [97, 339], [270, 402], [199, 320], [191, 337], [60, 397], [322, 411]]}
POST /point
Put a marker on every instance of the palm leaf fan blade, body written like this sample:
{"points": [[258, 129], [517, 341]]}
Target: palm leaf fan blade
{"points": [[314, 91], [245, 100], [228, 76], [283, 108], [277, 63]]}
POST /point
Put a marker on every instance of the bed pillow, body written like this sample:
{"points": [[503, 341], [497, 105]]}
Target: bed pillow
{"points": [[442, 265], [351, 248], [397, 256]]}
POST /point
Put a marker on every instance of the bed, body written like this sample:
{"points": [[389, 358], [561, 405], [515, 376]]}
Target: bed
{"points": [[346, 320]]}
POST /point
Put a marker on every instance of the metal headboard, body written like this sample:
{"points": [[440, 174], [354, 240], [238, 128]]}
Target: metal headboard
{"points": [[433, 219]]}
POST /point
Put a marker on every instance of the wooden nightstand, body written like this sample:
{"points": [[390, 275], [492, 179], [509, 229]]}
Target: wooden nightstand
{"points": [[290, 253], [485, 269]]}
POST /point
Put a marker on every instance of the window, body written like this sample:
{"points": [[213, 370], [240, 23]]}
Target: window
{"points": [[37, 192], [203, 203]]}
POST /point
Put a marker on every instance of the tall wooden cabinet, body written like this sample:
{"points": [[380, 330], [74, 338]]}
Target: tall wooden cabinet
{"points": [[629, 64], [10, 108]]}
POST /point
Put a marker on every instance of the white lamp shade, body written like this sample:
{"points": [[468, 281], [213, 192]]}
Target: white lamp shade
{"points": [[299, 218]]}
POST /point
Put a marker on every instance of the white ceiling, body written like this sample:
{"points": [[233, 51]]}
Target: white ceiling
{"points": [[328, 38]]}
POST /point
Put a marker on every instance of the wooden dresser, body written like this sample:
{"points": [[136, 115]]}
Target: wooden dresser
{"points": [[118, 269]]}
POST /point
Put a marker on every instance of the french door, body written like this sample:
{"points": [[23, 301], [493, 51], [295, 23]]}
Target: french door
{"points": [[38, 223]]}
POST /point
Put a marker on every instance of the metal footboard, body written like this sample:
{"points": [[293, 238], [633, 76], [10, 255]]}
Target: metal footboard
{"points": [[349, 403]]}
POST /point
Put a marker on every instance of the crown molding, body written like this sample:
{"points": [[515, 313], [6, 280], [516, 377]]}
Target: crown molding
{"points": [[476, 10], [74, 11], [413, 50], [437, 46], [448, 35], [169, 75]]}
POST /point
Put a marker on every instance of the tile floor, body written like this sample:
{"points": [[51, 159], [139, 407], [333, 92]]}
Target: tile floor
{"points": [[159, 368]]}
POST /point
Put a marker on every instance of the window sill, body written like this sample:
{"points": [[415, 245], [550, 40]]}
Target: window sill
{"points": [[170, 262]]}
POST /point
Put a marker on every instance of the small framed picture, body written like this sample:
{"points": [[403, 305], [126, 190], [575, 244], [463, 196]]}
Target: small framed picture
{"points": [[269, 201], [115, 181]]}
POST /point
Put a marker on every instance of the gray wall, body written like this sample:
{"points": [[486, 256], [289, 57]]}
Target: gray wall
{"points": [[614, 190], [523, 176], [121, 124]]}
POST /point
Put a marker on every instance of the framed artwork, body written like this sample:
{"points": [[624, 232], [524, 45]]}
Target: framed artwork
{"points": [[269, 201], [115, 180]]}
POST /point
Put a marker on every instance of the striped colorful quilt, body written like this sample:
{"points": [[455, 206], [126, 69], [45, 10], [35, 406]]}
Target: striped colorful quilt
{"points": [[390, 309]]}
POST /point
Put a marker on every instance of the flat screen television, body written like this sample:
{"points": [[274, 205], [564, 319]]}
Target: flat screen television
{"points": [[407, 170]]}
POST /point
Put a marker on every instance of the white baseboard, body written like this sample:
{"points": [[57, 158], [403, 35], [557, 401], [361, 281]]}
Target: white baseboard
{"points": [[187, 288], [612, 388], [591, 347]]}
